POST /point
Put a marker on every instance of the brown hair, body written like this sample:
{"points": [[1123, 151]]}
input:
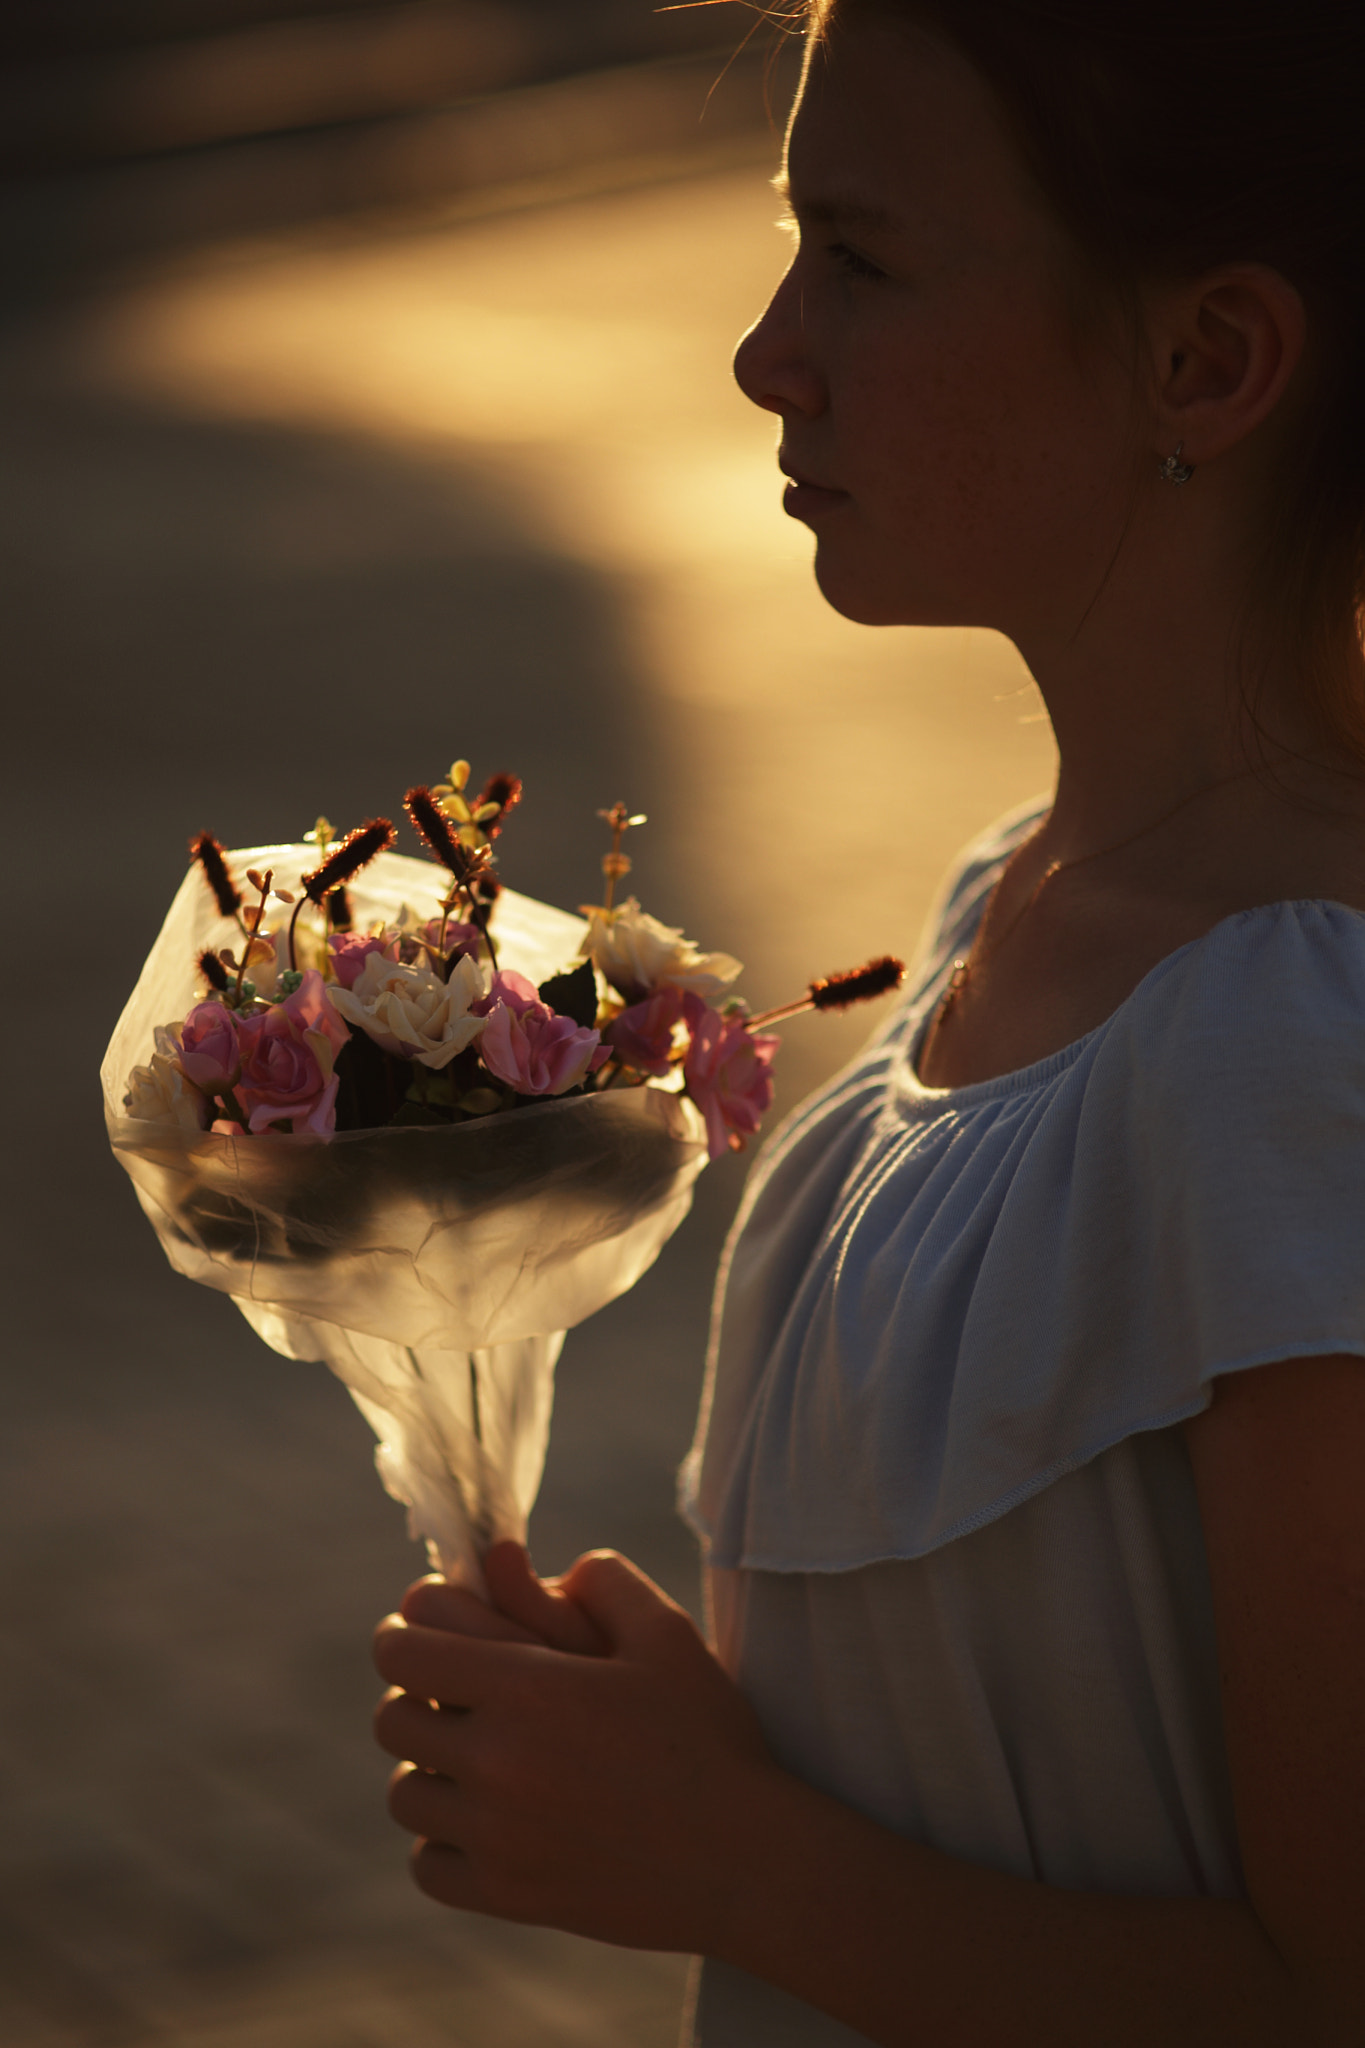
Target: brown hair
{"points": [[1175, 135]]}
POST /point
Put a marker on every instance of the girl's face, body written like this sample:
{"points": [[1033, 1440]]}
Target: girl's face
{"points": [[962, 454]]}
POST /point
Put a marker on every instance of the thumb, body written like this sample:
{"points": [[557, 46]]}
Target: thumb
{"points": [[435, 1603], [523, 1598], [624, 1605]]}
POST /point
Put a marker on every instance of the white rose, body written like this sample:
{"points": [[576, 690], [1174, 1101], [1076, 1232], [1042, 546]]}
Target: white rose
{"points": [[270, 957], [160, 1094], [410, 1010], [637, 954]]}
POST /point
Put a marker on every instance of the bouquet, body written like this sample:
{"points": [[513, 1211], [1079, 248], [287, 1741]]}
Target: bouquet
{"points": [[419, 1126]]}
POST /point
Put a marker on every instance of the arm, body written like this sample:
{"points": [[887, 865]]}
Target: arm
{"points": [[628, 1795]]}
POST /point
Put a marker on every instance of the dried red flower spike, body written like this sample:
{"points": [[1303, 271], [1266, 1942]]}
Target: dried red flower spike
{"points": [[469, 868], [213, 971], [504, 790], [208, 852], [347, 858], [432, 825], [841, 991], [858, 984], [340, 915]]}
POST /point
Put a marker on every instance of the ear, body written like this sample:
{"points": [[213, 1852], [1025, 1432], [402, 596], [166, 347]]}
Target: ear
{"points": [[1225, 350]]}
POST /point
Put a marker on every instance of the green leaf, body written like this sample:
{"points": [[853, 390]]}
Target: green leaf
{"points": [[573, 994], [434, 1087]]}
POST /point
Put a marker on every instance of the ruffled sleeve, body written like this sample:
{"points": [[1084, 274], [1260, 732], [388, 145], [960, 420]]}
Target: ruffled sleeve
{"points": [[1248, 1134], [944, 1300]]}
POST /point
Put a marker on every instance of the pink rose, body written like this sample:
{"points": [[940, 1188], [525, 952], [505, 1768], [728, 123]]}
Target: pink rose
{"points": [[350, 951], [209, 1054], [311, 1008], [642, 1036], [288, 1054], [507, 986], [527, 1045], [727, 1076]]}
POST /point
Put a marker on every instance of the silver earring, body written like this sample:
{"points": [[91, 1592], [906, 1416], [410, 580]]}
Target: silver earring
{"points": [[1173, 470]]}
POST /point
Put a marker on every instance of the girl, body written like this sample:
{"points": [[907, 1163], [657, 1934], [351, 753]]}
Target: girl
{"points": [[1029, 1472]]}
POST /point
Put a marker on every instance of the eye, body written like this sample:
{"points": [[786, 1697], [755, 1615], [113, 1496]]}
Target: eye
{"points": [[852, 264], [848, 261]]}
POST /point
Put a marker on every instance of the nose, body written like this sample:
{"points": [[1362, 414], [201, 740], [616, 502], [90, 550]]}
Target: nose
{"points": [[772, 362]]}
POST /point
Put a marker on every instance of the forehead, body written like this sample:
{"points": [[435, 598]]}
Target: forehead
{"points": [[895, 130]]}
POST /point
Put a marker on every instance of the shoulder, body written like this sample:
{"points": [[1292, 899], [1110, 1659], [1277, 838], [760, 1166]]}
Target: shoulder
{"points": [[1232, 1092], [1272, 997]]}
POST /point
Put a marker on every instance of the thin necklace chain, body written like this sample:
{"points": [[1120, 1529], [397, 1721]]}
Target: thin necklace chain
{"points": [[963, 969]]}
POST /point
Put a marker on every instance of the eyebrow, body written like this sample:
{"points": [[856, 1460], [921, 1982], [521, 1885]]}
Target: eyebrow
{"points": [[860, 212]]}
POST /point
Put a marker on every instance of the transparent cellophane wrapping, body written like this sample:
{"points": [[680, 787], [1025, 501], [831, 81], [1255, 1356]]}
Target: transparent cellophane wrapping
{"points": [[434, 1269]]}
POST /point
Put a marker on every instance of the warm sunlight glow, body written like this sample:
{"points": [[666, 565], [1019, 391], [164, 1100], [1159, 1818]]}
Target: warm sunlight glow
{"points": [[580, 354]]}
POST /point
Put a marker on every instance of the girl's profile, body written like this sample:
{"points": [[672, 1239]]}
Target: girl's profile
{"points": [[1028, 1469]]}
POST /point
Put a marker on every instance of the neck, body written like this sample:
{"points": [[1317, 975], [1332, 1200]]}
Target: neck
{"points": [[1150, 698]]}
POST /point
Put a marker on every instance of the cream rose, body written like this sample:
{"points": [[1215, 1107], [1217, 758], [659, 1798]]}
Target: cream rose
{"points": [[410, 1010], [160, 1094], [270, 957], [637, 954]]}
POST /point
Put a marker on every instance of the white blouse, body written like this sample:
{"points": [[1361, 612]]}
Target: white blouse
{"points": [[954, 1549]]}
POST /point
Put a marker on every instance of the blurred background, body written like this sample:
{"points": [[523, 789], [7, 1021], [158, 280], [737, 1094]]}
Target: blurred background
{"points": [[366, 401]]}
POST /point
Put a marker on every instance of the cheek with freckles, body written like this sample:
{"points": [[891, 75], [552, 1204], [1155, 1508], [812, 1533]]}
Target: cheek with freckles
{"points": [[982, 476]]}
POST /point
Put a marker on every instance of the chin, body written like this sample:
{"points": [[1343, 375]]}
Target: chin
{"points": [[857, 594]]}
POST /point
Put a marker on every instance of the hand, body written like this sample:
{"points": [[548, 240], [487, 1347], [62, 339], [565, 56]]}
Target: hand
{"points": [[613, 1793], [521, 1607]]}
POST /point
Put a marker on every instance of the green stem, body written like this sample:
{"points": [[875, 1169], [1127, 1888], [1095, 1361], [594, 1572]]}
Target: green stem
{"points": [[234, 1108], [480, 918], [474, 1399], [293, 963], [255, 927], [782, 1010], [618, 833]]}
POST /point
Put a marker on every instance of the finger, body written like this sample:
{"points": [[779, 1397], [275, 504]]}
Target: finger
{"points": [[458, 1670], [537, 1606], [445, 1875], [621, 1602], [418, 1732], [425, 1803], [435, 1603]]}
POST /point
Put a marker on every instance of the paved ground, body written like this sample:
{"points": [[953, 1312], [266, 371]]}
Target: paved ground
{"points": [[285, 528]]}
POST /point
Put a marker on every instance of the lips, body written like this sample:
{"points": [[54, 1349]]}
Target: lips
{"points": [[804, 482], [803, 497]]}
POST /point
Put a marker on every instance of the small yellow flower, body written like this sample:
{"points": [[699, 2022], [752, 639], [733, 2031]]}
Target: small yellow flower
{"points": [[464, 816]]}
